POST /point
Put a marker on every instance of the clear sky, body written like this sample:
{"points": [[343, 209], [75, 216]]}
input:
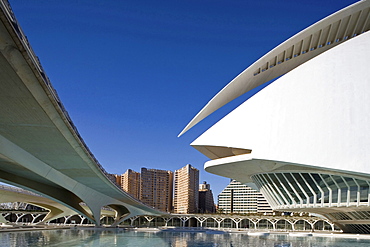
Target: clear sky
{"points": [[132, 74]]}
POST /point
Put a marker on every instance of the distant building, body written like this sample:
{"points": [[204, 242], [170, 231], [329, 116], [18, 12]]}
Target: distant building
{"points": [[262, 205], [206, 202], [239, 198], [186, 190], [130, 182], [156, 188], [115, 178]]}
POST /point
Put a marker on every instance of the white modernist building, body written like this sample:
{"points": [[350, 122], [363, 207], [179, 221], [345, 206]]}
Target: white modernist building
{"points": [[303, 140]]}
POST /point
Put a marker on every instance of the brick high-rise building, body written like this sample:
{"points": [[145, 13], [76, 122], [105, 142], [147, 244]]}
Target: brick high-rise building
{"points": [[186, 190], [130, 182], [206, 202], [156, 188]]}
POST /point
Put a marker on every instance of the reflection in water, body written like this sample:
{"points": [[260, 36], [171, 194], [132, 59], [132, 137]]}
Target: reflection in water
{"points": [[119, 237]]}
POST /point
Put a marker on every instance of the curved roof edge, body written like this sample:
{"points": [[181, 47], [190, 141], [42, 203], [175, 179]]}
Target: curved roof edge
{"points": [[243, 167], [216, 152], [311, 42]]}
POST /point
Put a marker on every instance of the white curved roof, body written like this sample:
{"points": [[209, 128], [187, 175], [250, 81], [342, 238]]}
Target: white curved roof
{"points": [[317, 122], [311, 42]]}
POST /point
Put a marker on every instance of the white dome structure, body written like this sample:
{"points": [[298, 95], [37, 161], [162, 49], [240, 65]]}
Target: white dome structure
{"points": [[303, 140]]}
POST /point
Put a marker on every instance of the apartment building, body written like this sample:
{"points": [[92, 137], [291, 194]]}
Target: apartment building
{"points": [[239, 198], [130, 182], [186, 199], [156, 188]]}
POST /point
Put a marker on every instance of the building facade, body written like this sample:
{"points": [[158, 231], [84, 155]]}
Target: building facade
{"points": [[156, 188], [302, 139], [262, 205], [186, 190], [130, 182], [239, 198], [206, 202]]}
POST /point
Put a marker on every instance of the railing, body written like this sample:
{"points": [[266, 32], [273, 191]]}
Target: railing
{"points": [[18, 190]]}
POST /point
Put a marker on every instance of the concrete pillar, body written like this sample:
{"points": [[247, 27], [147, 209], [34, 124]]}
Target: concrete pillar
{"points": [[166, 219], [273, 222], [201, 220], [133, 218], [292, 222], [183, 220], [149, 219], [66, 218], [255, 221], [82, 218], [236, 221], [218, 220]]}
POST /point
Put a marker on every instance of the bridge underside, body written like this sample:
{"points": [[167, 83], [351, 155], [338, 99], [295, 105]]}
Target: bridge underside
{"points": [[40, 148]]}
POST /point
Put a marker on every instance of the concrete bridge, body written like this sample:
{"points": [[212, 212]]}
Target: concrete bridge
{"points": [[40, 147], [51, 210]]}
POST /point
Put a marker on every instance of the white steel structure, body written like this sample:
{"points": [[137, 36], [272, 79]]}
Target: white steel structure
{"points": [[304, 139]]}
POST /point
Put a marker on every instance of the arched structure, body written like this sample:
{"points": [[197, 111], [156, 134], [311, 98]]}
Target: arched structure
{"points": [[303, 140], [40, 147], [239, 222], [54, 209]]}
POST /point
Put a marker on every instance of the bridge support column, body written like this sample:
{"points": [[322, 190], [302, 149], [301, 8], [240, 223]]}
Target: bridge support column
{"points": [[96, 212], [312, 224], [82, 218], [124, 217], [273, 222], [166, 219], [122, 213], [201, 220], [219, 220], [132, 219], [149, 219], [236, 221], [183, 220], [255, 221], [292, 222], [66, 218]]}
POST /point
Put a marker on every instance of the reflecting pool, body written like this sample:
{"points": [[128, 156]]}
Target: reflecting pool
{"points": [[119, 237]]}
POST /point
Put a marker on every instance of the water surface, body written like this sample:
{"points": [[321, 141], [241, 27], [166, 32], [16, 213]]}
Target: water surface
{"points": [[119, 237]]}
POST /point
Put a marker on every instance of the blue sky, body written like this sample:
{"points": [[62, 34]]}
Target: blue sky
{"points": [[132, 74]]}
